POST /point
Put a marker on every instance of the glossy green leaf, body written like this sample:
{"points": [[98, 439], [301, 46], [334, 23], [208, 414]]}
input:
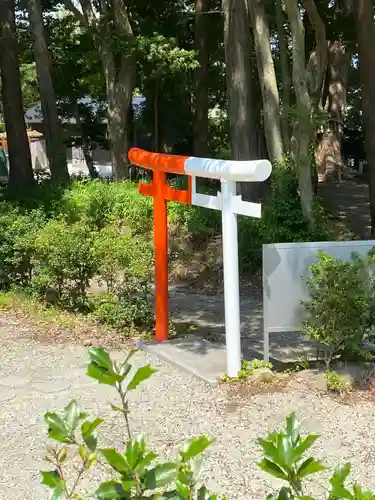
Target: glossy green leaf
{"points": [[140, 375], [292, 427], [303, 446], [285, 451], [57, 429], [90, 434], [184, 476], [101, 375], [145, 462], [133, 453], [170, 495], [51, 479], [269, 449], [205, 494], [340, 475], [73, 415], [58, 493], [194, 447], [273, 469], [310, 466], [111, 490], [161, 475], [115, 460], [340, 492], [101, 357], [183, 490], [285, 494]]}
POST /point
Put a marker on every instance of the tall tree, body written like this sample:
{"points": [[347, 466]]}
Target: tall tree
{"points": [[329, 159], [364, 18], [56, 150], [237, 43], [109, 23], [308, 82], [267, 77], [201, 80], [20, 172], [285, 74]]}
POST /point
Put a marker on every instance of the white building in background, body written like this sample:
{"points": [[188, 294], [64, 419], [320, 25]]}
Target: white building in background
{"points": [[74, 155]]}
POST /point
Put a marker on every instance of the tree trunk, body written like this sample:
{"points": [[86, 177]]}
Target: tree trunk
{"points": [[364, 17], [329, 161], [56, 150], [237, 43], [267, 77], [285, 76], [201, 81], [302, 132], [119, 86], [20, 167], [88, 158]]}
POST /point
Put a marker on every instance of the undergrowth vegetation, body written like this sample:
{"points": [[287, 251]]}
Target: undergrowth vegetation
{"points": [[88, 247], [135, 471]]}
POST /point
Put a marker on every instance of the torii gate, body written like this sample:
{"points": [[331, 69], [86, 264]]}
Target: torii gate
{"points": [[227, 201]]}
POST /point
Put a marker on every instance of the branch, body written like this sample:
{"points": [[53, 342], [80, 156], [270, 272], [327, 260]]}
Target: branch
{"points": [[76, 12], [321, 46], [121, 17], [88, 11]]}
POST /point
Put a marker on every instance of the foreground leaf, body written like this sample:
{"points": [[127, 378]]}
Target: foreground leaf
{"points": [[140, 375], [310, 466], [57, 429], [161, 475], [101, 374], [51, 478], [89, 433], [110, 490], [115, 460], [273, 469], [195, 446], [101, 357]]}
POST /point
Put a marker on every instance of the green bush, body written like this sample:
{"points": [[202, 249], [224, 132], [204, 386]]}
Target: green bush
{"points": [[282, 220], [131, 306], [63, 263], [337, 382], [120, 256], [137, 472], [339, 309], [17, 235]]}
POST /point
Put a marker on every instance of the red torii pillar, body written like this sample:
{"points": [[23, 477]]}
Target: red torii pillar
{"points": [[162, 192]]}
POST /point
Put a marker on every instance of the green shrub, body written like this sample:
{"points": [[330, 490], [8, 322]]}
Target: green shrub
{"points": [[340, 304], [137, 472], [64, 263], [128, 307], [120, 256], [282, 220], [337, 382], [17, 235]]}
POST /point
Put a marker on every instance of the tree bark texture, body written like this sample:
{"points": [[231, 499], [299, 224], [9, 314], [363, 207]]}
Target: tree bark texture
{"points": [[285, 76], [20, 168], [56, 149], [119, 73], [201, 123], [329, 161], [302, 133], [267, 77], [237, 42], [364, 18]]}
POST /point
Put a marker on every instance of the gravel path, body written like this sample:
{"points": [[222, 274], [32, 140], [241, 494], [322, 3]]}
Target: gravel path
{"points": [[36, 377]]}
